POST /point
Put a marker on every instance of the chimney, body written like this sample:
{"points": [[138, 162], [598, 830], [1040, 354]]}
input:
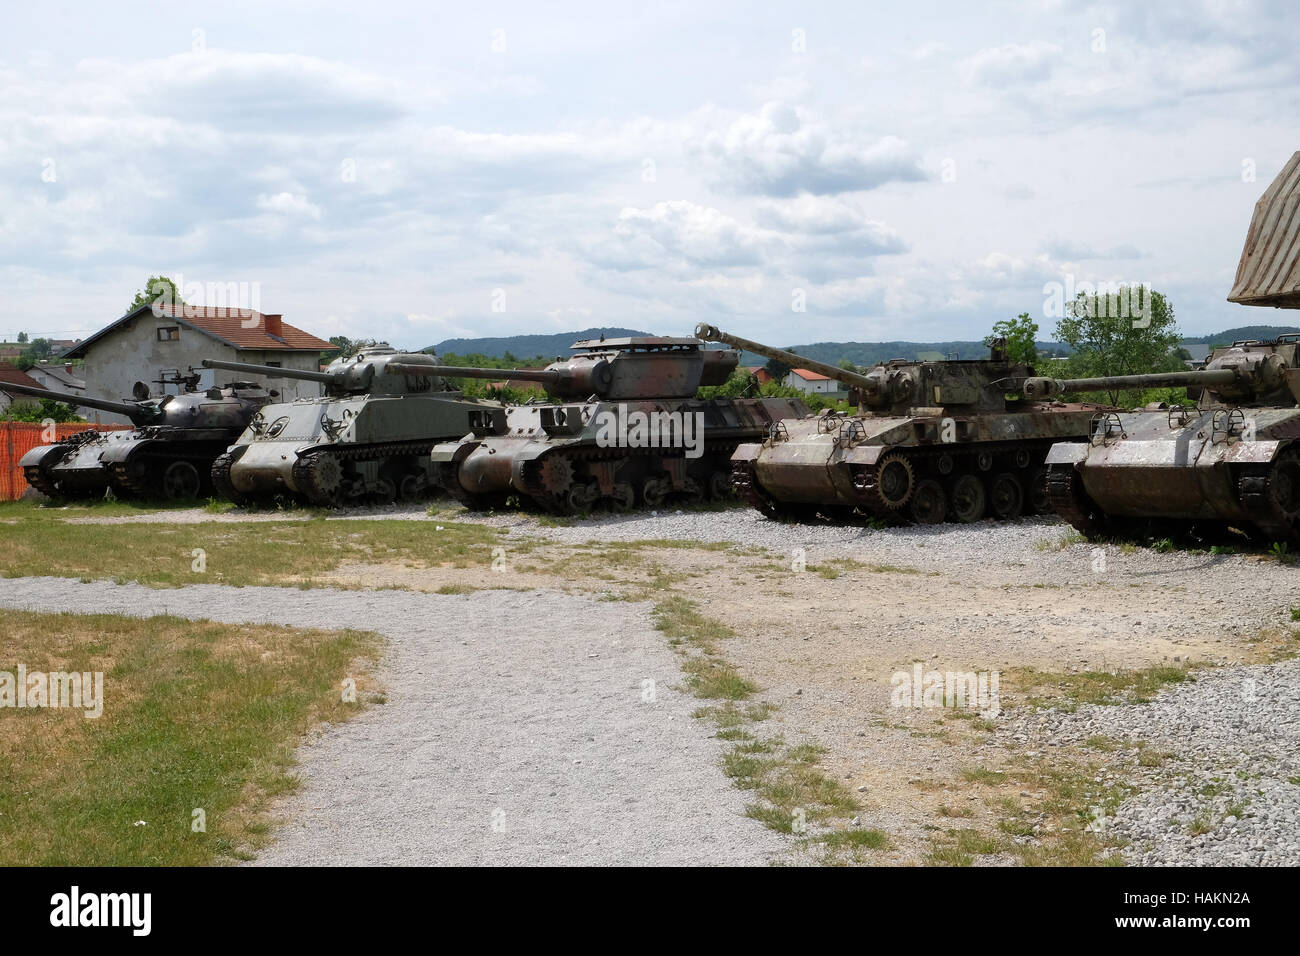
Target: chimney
{"points": [[274, 325]]}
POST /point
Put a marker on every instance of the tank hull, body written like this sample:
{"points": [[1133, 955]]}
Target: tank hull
{"points": [[926, 467], [617, 455], [331, 451], [1160, 471]]}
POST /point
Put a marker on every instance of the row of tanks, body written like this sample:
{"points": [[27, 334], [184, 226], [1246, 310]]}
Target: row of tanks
{"points": [[623, 426]]}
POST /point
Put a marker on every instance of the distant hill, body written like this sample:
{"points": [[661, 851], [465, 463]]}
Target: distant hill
{"points": [[1263, 333], [859, 353], [526, 346]]}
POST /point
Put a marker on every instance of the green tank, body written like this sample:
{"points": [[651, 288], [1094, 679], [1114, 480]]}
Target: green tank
{"points": [[931, 441], [628, 430], [366, 439]]}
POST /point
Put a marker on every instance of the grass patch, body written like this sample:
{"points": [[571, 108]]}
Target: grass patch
{"points": [[196, 715], [41, 542], [1068, 691]]}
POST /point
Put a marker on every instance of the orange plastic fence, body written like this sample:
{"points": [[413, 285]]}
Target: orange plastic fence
{"points": [[17, 438]]}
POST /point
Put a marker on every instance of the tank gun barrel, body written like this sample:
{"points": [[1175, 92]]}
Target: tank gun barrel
{"points": [[1049, 387], [271, 371], [543, 375], [711, 333], [140, 414]]}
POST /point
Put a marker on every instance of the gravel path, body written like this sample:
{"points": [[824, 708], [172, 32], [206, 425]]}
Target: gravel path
{"points": [[1234, 737], [518, 737]]}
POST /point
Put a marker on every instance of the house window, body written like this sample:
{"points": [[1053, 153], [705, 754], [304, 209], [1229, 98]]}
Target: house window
{"points": [[272, 364], [169, 333]]}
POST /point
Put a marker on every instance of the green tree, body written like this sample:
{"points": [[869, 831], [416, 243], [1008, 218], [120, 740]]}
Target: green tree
{"points": [[1132, 332], [22, 338], [158, 287], [38, 349], [29, 410], [1020, 333]]}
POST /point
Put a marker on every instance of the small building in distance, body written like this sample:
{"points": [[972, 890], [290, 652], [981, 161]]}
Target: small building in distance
{"points": [[135, 357], [13, 375], [811, 382], [759, 372]]}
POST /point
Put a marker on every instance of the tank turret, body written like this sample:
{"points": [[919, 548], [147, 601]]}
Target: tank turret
{"points": [[1244, 373], [360, 374], [899, 385], [613, 369], [214, 408]]}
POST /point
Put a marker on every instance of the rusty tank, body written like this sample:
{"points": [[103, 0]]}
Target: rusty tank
{"points": [[366, 439], [932, 441], [623, 429], [168, 454], [1231, 461]]}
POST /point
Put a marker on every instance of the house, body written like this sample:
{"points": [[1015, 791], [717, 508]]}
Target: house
{"points": [[812, 382], [140, 355], [759, 372], [14, 376], [61, 378]]}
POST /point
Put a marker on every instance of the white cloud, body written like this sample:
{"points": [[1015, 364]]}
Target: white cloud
{"points": [[780, 151], [1011, 63], [288, 204]]}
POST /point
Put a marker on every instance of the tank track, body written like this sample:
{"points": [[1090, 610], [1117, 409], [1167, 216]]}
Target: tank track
{"points": [[1255, 491], [127, 485], [718, 452], [221, 483], [1066, 494], [354, 453], [40, 481]]}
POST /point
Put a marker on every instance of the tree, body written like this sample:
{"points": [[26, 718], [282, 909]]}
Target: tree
{"points": [[1131, 332], [1020, 333], [777, 369], [22, 338], [33, 411], [158, 287], [39, 349]]}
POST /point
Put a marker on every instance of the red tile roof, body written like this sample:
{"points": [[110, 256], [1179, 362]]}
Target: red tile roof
{"points": [[16, 376], [240, 328], [246, 329], [808, 376]]}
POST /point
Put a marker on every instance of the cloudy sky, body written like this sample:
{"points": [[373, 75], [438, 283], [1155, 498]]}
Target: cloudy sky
{"points": [[420, 171]]}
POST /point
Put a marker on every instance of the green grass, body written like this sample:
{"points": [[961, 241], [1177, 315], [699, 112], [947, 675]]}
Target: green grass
{"points": [[38, 541], [1067, 691], [196, 715]]}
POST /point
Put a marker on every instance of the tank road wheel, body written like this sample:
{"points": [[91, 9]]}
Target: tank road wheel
{"points": [[411, 488], [181, 482], [967, 499], [929, 504], [1006, 497], [319, 476], [720, 485], [655, 491], [1284, 489], [581, 497], [1040, 503], [384, 492], [894, 481], [623, 498]]}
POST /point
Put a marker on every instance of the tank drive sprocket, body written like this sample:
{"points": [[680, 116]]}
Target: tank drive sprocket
{"points": [[319, 476]]}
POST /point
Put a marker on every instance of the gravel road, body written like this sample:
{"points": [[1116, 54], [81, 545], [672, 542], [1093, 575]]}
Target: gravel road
{"points": [[519, 737], [1229, 794]]}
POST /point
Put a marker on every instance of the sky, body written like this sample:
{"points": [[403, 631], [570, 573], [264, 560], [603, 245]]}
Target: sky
{"points": [[792, 172]]}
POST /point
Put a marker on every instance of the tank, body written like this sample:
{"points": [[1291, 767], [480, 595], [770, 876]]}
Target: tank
{"points": [[366, 439], [169, 453], [1231, 460], [626, 430], [931, 441]]}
